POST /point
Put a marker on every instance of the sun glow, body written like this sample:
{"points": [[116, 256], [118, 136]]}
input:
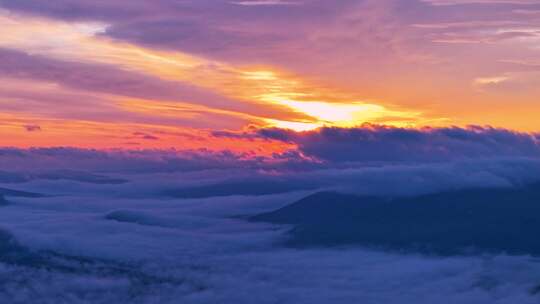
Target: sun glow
{"points": [[291, 93], [337, 115], [343, 115]]}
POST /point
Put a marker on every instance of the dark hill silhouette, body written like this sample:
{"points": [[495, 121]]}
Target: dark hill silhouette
{"points": [[475, 220]]}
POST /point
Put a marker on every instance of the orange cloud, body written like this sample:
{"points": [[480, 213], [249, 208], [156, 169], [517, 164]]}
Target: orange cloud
{"points": [[297, 103]]}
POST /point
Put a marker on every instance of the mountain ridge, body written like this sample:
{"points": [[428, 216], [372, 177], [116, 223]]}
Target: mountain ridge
{"points": [[490, 220]]}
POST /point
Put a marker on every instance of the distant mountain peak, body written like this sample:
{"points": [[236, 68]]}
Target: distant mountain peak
{"points": [[486, 220]]}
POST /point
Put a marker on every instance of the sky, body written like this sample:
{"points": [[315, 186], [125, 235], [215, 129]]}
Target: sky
{"points": [[173, 74]]}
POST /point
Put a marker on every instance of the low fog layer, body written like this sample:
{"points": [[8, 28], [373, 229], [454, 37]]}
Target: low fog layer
{"points": [[85, 226], [79, 249]]}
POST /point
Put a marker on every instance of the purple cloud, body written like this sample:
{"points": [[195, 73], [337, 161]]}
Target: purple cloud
{"points": [[146, 136], [104, 79], [32, 128], [95, 81], [390, 144], [64, 158]]}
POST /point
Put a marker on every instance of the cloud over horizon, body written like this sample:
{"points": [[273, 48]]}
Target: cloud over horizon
{"points": [[372, 143], [364, 160]]}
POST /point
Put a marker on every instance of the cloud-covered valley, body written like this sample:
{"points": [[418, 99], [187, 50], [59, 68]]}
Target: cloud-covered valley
{"points": [[155, 226]]}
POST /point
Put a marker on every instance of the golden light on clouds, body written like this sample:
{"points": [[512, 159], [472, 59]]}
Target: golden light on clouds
{"points": [[260, 88], [323, 113], [491, 80]]}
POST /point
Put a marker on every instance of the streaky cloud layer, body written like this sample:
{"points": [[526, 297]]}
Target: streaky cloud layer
{"points": [[194, 66]]}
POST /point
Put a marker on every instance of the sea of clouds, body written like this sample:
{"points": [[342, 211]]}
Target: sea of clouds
{"points": [[170, 227]]}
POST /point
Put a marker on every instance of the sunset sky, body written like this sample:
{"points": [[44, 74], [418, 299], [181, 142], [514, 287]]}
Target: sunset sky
{"points": [[269, 151], [170, 73]]}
